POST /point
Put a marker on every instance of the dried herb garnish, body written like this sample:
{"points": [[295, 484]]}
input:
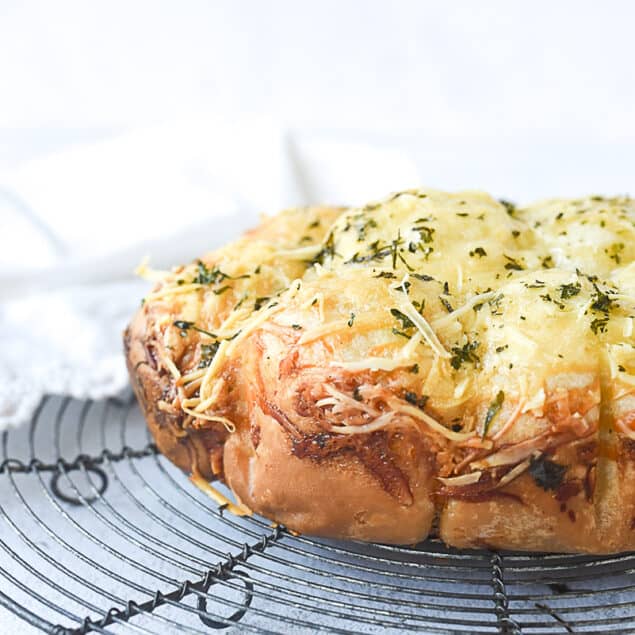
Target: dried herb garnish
{"points": [[448, 307], [405, 262], [426, 233], [420, 306], [547, 474], [423, 277], [495, 304], [205, 275], [464, 354], [415, 400], [598, 325], [406, 322], [510, 208], [184, 325], [376, 251], [237, 305], [492, 411], [601, 302], [547, 298], [614, 252], [363, 228], [259, 302], [208, 352], [385, 274], [512, 264], [351, 320], [208, 276], [478, 251], [393, 248], [569, 290], [327, 251]]}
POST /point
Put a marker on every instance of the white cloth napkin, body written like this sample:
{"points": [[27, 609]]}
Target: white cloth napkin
{"points": [[75, 224]]}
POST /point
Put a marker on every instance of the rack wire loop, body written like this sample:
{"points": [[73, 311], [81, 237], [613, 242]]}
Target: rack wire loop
{"points": [[243, 577], [74, 499]]}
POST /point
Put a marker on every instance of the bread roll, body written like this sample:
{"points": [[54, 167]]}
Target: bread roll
{"points": [[430, 363]]}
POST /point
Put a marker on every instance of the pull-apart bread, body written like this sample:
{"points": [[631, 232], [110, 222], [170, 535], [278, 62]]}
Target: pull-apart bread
{"points": [[431, 364]]}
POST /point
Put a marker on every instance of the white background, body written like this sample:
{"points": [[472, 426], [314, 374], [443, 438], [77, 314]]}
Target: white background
{"points": [[546, 87], [458, 68]]}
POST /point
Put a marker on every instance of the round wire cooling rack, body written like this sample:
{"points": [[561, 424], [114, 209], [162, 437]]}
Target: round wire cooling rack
{"points": [[100, 533]]}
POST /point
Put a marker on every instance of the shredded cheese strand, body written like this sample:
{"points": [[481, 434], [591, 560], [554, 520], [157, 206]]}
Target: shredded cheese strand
{"points": [[216, 391], [171, 366], [344, 399], [301, 253], [377, 424], [172, 290], [417, 413], [318, 299], [197, 374], [463, 479], [420, 322], [218, 497], [143, 270], [372, 364], [510, 420], [513, 473], [462, 310], [226, 347], [366, 322], [229, 425], [401, 359]]}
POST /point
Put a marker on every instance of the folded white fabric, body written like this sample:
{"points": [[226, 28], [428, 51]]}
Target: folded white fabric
{"points": [[75, 224], [63, 342]]}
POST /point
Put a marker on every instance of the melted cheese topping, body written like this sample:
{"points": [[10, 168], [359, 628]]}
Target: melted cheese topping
{"points": [[464, 295]]}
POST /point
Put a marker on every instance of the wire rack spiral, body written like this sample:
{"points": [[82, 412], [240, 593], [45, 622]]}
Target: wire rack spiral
{"points": [[100, 533]]}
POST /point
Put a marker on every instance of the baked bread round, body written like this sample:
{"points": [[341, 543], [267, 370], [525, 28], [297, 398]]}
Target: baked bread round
{"points": [[432, 363]]}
